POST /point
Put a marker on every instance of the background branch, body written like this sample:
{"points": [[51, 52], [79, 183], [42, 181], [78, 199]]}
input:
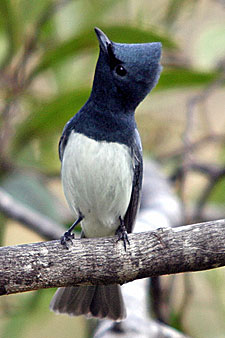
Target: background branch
{"points": [[35, 221]]}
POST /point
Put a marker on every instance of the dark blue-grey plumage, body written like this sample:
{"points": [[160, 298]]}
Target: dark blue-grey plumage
{"points": [[125, 74], [134, 204], [108, 115]]}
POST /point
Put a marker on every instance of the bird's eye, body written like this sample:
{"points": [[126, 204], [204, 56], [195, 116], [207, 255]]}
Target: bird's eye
{"points": [[120, 70]]}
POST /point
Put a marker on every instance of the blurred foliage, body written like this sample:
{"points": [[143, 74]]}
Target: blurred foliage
{"points": [[218, 195], [48, 51], [16, 326]]}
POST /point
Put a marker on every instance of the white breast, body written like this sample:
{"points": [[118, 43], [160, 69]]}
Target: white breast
{"points": [[97, 181]]}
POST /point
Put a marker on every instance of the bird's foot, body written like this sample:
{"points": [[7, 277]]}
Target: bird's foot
{"points": [[66, 239], [122, 234]]}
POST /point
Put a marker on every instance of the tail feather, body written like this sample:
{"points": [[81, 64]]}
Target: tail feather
{"points": [[101, 301]]}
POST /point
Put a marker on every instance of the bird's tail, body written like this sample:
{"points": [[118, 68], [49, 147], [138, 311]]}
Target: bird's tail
{"points": [[101, 301]]}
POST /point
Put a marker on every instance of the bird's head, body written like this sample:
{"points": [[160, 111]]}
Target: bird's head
{"points": [[126, 72]]}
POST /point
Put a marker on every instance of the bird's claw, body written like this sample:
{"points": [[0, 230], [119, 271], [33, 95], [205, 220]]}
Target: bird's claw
{"points": [[66, 239], [122, 235]]}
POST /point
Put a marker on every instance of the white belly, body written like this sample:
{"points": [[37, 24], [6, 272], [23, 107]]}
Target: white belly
{"points": [[97, 181]]}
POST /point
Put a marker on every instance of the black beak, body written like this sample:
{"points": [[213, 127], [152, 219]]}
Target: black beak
{"points": [[103, 39]]}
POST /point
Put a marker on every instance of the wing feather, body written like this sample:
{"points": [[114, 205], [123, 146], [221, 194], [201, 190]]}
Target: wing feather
{"points": [[134, 204]]}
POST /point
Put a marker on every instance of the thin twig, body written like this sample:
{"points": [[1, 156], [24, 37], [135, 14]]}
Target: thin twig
{"points": [[193, 146], [215, 176], [187, 153]]}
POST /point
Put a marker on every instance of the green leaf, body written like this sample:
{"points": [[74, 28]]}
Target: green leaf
{"points": [[49, 117], [174, 9], [10, 18], [31, 11], [132, 34], [217, 195], [67, 48], [178, 78]]}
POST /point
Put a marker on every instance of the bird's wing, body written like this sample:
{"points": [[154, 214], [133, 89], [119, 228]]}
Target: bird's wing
{"points": [[134, 204], [64, 138], [62, 143]]}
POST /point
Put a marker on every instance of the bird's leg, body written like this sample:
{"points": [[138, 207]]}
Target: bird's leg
{"points": [[122, 233], [68, 236]]}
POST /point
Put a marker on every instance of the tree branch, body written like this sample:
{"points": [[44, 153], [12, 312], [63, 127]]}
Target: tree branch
{"points": [[104, 261], [43, 225]]}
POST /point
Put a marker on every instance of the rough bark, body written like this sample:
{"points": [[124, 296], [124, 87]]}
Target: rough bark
{"points": [[104, 261]]}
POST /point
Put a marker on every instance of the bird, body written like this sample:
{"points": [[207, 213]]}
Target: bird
{"points": [[101, 164]]}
